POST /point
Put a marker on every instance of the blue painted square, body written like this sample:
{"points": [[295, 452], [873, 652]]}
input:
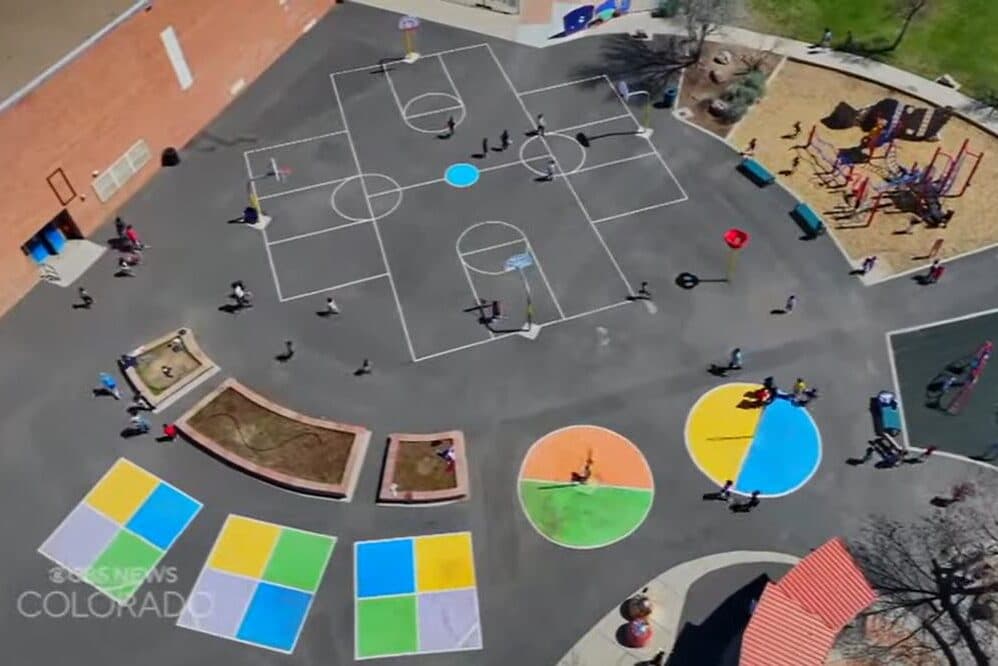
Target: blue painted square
{"points": [[275, 617], [385, 567], [163, 516]]}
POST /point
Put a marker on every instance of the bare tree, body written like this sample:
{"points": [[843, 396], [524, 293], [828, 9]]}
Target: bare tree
{"points": [[703, 17], [937, 580], [655, 66], [907, 10]]}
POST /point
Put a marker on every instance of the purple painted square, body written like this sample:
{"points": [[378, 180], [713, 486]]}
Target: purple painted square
{"points": [[449, 621], [80, 539], [217, 603]]}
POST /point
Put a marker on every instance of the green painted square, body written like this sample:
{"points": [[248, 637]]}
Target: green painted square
{"points": [[387, 626], [299, 559], [123, 566]]}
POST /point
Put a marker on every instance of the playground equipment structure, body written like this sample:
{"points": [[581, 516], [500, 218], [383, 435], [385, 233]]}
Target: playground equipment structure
{"points": [[840, 171], [926, 188], [924, 185], [974, 371]]}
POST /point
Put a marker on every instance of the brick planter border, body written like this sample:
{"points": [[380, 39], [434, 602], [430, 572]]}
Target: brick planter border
{"points": [[459, 492], [343, 490], [181, 386]]}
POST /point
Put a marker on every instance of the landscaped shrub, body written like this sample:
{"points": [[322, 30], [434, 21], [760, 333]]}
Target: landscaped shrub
{"points": [[755, 79], [734, 111], [739, 93]]}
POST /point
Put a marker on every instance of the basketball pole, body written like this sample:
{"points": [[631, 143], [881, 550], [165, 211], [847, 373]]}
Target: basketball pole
{"points": [[530, 303], [407, 41]]}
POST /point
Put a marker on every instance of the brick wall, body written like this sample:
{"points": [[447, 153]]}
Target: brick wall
{"points": [[119, 91]]}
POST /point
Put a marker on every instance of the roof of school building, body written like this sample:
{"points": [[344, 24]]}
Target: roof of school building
{"points": [[35, 35]]}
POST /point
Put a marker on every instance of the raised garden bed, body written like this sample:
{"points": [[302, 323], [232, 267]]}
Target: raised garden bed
{"points": [[168, 367], [277, 444], [417, 469]]}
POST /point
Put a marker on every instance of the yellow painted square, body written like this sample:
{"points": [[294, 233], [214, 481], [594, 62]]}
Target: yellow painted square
{"points": [[122, 491], [444, 562], [244, 546]]}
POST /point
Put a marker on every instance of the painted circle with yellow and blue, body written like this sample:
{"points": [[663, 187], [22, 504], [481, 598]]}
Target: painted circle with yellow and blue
{"points": [[774, 448]]}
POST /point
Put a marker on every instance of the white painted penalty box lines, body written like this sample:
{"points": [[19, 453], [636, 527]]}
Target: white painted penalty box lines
{"points": [[296, 141], [503, 336], [342, 285], [645, 209], [446, 109], [304, 188], [565, 84], [489, 248], [317, 233], [381, 65]]}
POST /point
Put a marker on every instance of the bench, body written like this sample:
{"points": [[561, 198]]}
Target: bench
{"points": [[757, 173], [808, 220], [886, 418]]}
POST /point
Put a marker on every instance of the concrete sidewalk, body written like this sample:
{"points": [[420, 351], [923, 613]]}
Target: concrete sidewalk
{"points": [[667, 592], [539, 20]]}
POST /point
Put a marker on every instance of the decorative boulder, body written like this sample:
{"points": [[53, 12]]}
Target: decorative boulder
{"points": [[718, 107], [723, 58], [717, 77]]}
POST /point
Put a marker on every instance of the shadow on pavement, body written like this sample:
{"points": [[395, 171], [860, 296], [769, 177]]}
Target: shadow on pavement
{"points": [[718, 640]]}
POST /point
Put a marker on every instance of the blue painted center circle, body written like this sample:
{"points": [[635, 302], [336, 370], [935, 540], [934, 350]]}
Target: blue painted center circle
{"points": [[461, 174]]}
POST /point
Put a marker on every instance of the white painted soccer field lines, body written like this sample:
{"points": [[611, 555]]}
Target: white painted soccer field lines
{"points": [[567, 182], [351, 283], [303, 188], [296, 141], [368, 196], [530, 249], [374, 221]]}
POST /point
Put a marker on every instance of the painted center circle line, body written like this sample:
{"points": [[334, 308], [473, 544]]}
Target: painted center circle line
{"points": [[585, 487], [780, 455], [461, 174]]}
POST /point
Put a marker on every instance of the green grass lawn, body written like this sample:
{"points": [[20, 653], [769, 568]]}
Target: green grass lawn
{"points": [[949, 36]]}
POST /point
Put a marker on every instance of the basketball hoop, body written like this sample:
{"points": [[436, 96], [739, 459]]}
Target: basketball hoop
{"points": [[281, 174]]}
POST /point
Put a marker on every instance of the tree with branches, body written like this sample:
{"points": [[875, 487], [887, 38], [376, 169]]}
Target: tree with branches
{"points": [[937, 581], [654, 68]]}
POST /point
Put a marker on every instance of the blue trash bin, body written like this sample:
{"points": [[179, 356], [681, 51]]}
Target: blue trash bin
{"points": [[55, 238], [669, 97]]}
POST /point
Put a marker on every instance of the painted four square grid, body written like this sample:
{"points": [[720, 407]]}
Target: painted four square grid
{"points": [[258, 583], [121, 530], [415, 595]]}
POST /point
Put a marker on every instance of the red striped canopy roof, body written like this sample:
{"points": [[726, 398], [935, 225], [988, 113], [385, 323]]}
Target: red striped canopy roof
{"points": [[798, 619]]}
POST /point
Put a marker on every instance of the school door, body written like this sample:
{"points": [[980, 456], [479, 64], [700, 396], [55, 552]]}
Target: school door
{"points": [[51, 238]]}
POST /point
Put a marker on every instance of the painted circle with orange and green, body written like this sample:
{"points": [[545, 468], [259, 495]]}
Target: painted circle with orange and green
{"points": [[774, 449], [604, 510]]}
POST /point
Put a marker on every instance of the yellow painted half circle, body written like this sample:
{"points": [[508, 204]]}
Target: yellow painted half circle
{"points": [[719, 432]]}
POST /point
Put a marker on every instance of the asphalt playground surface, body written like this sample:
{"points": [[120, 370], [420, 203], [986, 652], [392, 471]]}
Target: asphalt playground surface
{"points": [[926, 355], [599, 359]]}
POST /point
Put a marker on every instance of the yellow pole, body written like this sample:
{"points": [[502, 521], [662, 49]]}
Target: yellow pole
{"points": [[648, 112], [407, 36], [254, 200], [732, 260]]}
